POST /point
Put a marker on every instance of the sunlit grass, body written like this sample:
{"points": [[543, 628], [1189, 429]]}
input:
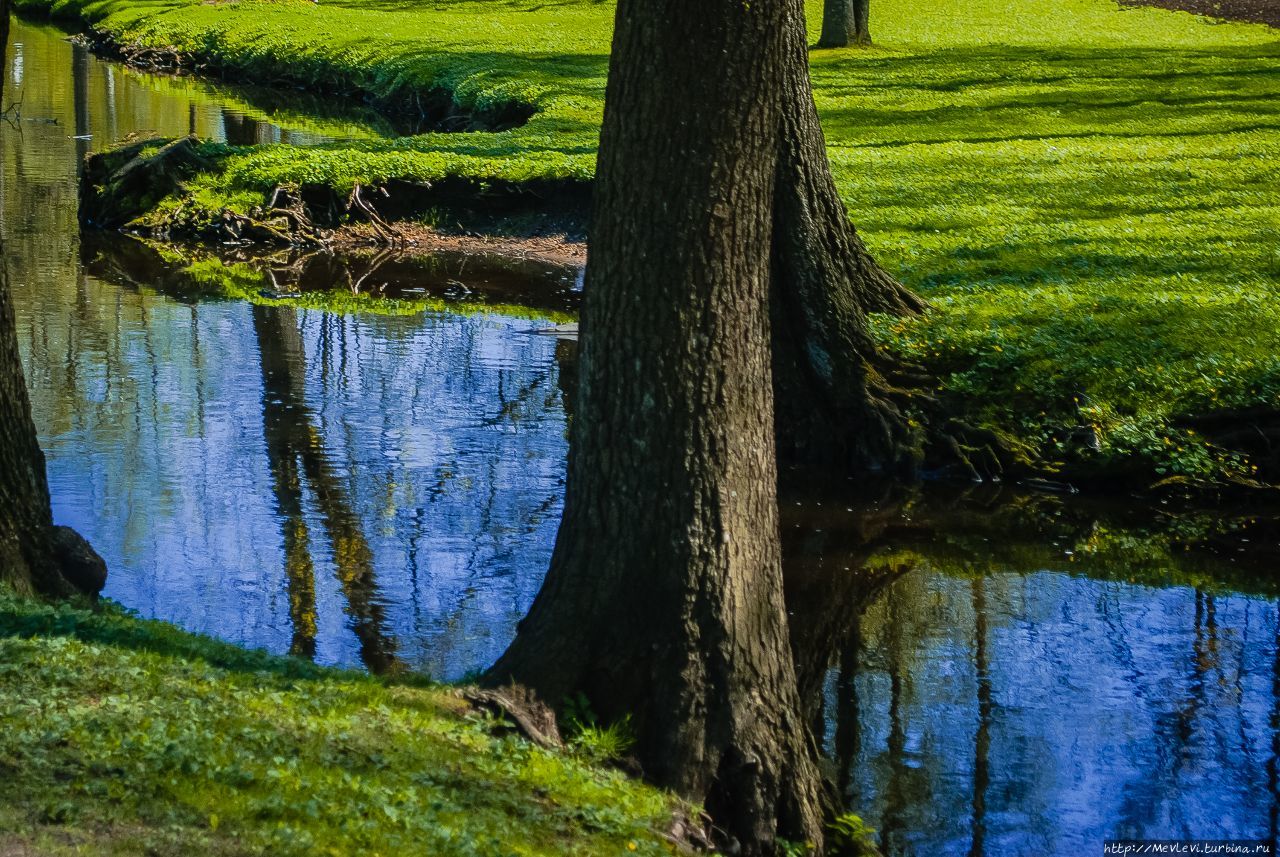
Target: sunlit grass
{"points": [[124, 736]]}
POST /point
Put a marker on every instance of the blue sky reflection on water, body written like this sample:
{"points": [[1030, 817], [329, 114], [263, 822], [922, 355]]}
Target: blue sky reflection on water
{"points": [[387, 489]]}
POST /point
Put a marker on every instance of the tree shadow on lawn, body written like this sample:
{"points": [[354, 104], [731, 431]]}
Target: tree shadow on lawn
{"points": [[1034, 94], [956, 70]]}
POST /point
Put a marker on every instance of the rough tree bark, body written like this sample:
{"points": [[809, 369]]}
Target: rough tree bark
{"points": [[664, 598], [35, 556], [28, 553], [844, 23], [722, 269], [721, 258], [833, 403]]}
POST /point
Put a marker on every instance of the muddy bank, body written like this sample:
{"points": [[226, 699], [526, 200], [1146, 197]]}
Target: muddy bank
{"points": [[1257, 11], [557, 249], [386, 281], [144, 187]]}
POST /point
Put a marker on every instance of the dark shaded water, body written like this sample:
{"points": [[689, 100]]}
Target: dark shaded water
{"points": [[992, 674]]}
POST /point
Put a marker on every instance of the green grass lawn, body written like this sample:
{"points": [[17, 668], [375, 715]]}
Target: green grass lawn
{"points": [[1088, 195], [124, 736]]}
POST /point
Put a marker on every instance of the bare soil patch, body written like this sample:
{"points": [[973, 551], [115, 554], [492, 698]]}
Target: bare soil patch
{"points": [[560, 249], [1259, 11]]}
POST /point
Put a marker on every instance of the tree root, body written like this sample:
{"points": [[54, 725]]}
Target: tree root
{"points": [[530, 717], [946, 446], [357, 203], [1251, 432], [690, 833]]}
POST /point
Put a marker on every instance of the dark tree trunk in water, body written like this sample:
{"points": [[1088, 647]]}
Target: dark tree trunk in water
{"points": [[844, 23], [283, 406], [722, 267], [35, 556]]}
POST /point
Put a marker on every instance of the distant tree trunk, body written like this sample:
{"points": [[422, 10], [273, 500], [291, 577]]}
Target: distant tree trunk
{"points": [[844, 23], [837, 24], [862, 22], [723, 273]]}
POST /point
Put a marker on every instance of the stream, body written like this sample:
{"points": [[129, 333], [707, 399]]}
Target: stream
{"points": [[991, 671]]}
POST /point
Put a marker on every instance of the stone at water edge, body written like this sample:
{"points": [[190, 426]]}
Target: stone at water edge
{"points": [[81, 565]]}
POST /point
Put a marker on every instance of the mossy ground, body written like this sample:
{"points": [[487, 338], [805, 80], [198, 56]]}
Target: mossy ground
{"points": [[1087, 194], [125, 736]]}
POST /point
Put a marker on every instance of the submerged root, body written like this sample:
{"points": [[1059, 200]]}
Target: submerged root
{"points": [[1253, 433], [945, 445]]}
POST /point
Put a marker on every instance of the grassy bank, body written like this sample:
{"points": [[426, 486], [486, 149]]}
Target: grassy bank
{"points": [[124, 736], [1087, 194]]}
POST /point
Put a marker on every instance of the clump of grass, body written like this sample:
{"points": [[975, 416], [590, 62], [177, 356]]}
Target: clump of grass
{"points": [[1086, 194], [595, 741], [127, 736], [849, 836]]}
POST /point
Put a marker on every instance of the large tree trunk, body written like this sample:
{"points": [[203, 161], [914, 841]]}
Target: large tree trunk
{"points": [[722, 273], [28, 553], [664, 598], [844, 23]]}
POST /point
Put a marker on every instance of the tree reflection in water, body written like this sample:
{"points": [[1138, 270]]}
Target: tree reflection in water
{"points": [[298, 458]]}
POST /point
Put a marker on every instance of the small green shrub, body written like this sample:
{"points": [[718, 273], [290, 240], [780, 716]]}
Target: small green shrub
{"points": [[589, 738], [849, 836]]}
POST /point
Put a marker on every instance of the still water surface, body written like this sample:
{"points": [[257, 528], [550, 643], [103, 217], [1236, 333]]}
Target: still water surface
{"points": [[990, 676]]}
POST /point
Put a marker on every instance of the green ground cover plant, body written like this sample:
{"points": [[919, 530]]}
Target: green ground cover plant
{"points": [[1087, 194], [125, 736]]}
